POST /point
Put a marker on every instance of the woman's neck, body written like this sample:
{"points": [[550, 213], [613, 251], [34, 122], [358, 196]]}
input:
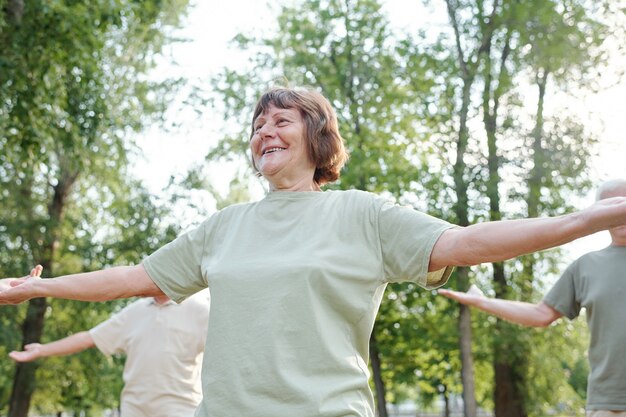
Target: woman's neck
{"points": [[302, 185]]}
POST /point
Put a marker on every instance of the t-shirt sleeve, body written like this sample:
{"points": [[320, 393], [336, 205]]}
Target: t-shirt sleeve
{"points": [[562, 296], [176, 267], [407, 240], [111, 335]]}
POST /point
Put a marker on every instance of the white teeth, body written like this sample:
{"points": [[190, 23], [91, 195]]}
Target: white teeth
{"points": [[270, 150]]}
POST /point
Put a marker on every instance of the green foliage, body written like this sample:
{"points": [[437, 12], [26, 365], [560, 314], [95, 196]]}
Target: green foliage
{"points": [[419, 350], [85, 381], [559, 363], [512, 153], [132, 222], [73, 91], [344, 49]]}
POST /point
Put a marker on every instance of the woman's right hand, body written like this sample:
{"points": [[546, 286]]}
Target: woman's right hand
{"points": [[18, 290], [29, 354], [472, 297]]}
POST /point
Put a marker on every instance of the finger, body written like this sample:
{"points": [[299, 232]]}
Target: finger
{"points": [[474, 290], [460, 297], [36, 271], [449, 294], [20, 356], [16, 356]]}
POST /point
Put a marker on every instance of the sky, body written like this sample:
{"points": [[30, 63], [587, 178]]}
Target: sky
{"points": [[210, 26]]}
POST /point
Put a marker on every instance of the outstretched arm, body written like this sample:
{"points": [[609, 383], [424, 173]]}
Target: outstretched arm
{"points": [[500, 240], [520, 312], [66, 346], [107, 284]]}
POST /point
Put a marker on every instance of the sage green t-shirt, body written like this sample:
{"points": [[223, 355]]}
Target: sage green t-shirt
{"points": [[296, 280], [597, 282]]}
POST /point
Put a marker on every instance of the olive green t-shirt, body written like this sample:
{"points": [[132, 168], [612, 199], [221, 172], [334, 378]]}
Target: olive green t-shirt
{"points": [[296, 280], [597, 282]]}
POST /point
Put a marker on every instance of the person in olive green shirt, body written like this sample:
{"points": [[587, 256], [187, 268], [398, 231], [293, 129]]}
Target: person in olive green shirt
{"points": [[597, 282], [296, 278]]}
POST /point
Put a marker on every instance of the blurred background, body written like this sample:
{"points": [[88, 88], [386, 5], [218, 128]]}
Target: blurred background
{"points": [[125, 123]]}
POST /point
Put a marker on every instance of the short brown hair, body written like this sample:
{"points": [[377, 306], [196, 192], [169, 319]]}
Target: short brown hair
{"points": [[325, 145]]}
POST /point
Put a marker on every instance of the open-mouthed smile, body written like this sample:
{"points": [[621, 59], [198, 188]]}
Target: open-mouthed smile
{"points": [[272, 150]]}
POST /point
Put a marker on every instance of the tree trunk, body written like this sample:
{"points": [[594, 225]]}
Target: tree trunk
{"points": [[509, 371], [508, 368], [24, 381], [468, 67], [446, 402], [15, 11], [507, 400], [465, 345], [462, 274], [510, 379], [381, 402], [538, 173]]}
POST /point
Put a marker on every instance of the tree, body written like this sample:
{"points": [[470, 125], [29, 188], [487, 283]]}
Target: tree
{"points": [[502, 67], [71, 95], [468, 64]]}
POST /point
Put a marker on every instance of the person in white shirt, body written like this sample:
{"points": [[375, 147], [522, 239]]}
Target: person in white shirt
{"points": [[163, 343]]}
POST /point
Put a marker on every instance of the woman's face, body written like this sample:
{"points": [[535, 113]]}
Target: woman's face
{"points": [[279, 148]]}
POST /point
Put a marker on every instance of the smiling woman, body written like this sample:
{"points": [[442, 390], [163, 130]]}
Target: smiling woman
{"points": [[303, 124], [296, 278], [279, 150]]}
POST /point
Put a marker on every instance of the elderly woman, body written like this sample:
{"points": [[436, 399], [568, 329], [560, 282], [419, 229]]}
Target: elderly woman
{"points": [[296, 278]]}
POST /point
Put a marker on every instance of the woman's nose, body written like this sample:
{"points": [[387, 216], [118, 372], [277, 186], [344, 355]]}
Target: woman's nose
{"points": [[267, 130]]}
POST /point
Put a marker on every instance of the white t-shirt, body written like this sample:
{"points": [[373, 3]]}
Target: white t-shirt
{"points": [[163, 344], [296, 280]]}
